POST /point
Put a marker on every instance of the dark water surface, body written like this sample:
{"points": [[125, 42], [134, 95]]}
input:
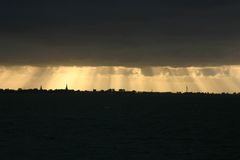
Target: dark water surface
{"points": [[71, 126]]}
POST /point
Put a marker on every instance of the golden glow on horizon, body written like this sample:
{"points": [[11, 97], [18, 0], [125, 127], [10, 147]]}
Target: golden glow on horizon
{"points": [[163, 79]]}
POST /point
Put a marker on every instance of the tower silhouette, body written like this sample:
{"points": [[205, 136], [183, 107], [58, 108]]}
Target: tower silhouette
{"points": [[66, 87]]}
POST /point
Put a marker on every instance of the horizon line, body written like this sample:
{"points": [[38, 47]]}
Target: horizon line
{"points": [[111, 90]]}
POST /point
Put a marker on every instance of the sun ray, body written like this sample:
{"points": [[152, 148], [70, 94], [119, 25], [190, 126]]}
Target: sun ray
{"points": [[198, 79]]}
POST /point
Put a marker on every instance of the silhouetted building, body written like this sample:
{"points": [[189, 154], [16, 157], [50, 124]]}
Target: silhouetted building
{"points": [[111, 90], [121, 90]]}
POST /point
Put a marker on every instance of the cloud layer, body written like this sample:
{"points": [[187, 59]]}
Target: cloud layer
{"points": [[120, 33]]}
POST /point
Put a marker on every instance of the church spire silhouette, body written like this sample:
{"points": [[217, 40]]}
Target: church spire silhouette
{"points": [[66, 88]]}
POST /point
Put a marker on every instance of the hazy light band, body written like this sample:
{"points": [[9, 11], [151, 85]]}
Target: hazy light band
{"points": [[162, 79]]}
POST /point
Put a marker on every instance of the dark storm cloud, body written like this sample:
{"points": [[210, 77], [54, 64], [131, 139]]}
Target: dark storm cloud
{"points": [[126, 33]]}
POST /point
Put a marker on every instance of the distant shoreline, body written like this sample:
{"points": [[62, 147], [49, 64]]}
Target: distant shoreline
{"points": [[109, 91]]}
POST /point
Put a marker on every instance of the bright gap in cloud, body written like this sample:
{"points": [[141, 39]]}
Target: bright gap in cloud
{"points": [[162, 79]]}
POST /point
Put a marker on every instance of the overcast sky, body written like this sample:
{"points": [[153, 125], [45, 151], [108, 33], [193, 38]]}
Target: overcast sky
{"points": [[120, 32]]}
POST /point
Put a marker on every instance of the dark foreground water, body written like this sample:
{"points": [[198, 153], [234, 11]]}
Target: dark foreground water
{"points": [[71, 126]]}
